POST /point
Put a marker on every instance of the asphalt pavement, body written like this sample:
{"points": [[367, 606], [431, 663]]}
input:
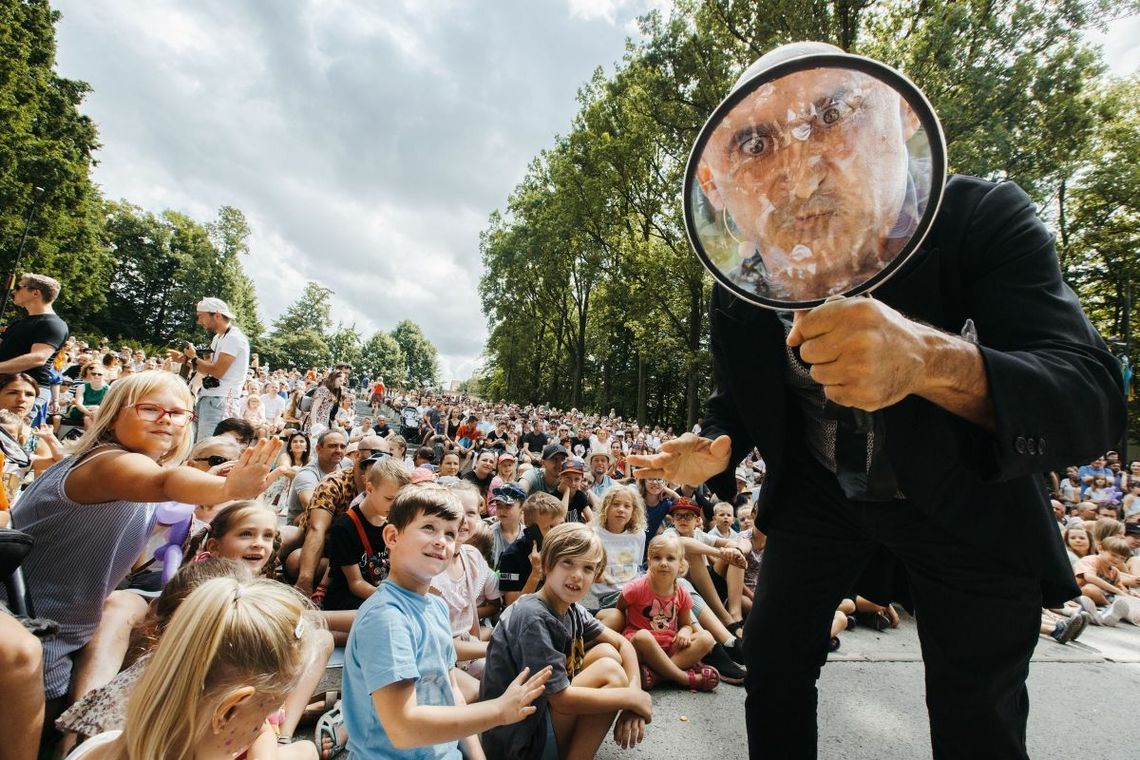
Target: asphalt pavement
{"points": [[1084, 703]]}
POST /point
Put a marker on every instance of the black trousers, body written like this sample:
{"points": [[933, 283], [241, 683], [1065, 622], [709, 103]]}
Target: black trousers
{"points": [[818, 547]]}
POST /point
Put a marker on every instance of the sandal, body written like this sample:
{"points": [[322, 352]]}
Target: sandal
{"points": [[736, 628], [648, 678], [709, 678], [327, 728]]}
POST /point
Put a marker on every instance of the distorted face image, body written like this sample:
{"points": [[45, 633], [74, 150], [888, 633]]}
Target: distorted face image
{"points": [[810, 172]]}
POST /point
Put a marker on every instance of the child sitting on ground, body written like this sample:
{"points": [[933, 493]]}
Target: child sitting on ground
{"points": [[620, 524], [659, 621], [721, 585], [358, 558], [722, 521], [594, 668], [519, 568], [232, 652], [399, 689]]}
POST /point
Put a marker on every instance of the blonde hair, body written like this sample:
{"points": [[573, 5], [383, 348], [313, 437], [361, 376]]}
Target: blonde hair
{"points": [[1117, 545], [637, 520], [1103, 527], [541, 503], [127, 391], [225, 635], [390, 470], [572, 540]]}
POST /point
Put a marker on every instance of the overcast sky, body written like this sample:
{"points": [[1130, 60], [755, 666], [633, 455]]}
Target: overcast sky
{"points": [[365, 141]]}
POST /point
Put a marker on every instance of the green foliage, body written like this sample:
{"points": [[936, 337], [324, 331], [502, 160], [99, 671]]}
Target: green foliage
{"points": [[46, 143], [382, 357], [421, 360], [311, 311], [345, 345], [297, 350]]}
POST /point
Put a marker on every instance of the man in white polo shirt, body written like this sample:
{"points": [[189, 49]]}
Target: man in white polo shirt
{"points": [[224, 372]]}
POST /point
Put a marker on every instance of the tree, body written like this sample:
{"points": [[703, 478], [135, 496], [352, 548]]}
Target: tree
{"points": [[46, 146], [421, 361], [298, 350], [381, 357], [311, 311], [345, 345]]}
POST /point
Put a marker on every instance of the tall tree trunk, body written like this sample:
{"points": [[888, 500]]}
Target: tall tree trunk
{"points": [[642, 388]]}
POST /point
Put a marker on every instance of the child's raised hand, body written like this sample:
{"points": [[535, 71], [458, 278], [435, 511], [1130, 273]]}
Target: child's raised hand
{"points": [[248, 477], [629, 729], [515, 702], [535, 559]]}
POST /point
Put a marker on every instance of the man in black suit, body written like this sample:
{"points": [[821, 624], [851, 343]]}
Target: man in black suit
{"points": [[902, 459]]}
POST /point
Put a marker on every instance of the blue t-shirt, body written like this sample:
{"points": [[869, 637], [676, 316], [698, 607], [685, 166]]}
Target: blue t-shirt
{"points": [[398, 635]]}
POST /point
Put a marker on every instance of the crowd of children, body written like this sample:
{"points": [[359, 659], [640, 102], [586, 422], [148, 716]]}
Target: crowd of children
{"points": [[500, 582]]}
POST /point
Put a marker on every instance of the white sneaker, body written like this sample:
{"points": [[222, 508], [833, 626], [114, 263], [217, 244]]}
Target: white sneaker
{"points": [[1089, 606], [1131, 609], [1114, 613]]}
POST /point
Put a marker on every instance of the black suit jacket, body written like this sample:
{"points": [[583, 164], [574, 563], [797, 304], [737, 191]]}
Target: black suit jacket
{"points": [[1056, 390]]}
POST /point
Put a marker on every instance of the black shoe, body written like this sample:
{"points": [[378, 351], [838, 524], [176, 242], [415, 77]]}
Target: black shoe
{"points": [[730, 672], [736, 651], [834, 646]]}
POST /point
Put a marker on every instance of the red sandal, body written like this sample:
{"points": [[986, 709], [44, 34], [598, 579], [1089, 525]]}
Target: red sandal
{"points": [[709, 678], [648, 678]]}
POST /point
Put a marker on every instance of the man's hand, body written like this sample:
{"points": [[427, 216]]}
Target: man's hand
{"points": [[868, 356], [865, 354], [629, 729], [515, 702], [689, 459]]}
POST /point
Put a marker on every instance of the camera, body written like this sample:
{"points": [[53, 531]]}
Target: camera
{"points": [[209, 382]]}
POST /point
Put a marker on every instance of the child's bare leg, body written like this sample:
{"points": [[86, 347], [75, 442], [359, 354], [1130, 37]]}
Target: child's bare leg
{"points": [[468, 685], [579, 736], [298, 698], [650, 654], [699, 577], [340, 624], [686, 658], [22, 684], [847, 607], [613, 618], [1094, 593], [838, 623], [712, 624], [598, 651], [102, 657]]}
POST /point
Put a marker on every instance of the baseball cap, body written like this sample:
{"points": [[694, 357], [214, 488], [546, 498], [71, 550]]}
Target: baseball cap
{"points": [[573, 464], [214, 306], [421, 475], [553, 450], [506, 458], [1132, 529], [684, 505], [508, 493]]}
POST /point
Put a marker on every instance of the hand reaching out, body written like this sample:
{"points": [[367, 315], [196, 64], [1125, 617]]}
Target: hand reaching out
{"points": [[690, 460], [515, 702]]}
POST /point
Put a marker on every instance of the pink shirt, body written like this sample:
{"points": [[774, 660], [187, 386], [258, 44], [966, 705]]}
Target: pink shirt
{"points": [[647, 611]]}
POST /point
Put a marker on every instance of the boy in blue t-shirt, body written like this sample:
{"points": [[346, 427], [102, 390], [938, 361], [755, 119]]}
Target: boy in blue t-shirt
{"points": [[398, 682]]}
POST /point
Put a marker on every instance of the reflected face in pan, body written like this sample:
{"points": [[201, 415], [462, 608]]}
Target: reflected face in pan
{"points": [[811, 169]]}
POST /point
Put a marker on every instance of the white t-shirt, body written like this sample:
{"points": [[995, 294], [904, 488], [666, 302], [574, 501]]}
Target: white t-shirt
{"points": [[623, 559], [273, 405], [98, 740], [234, 343]]}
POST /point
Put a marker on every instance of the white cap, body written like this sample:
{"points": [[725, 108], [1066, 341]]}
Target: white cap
{"points": [[214, 306]]}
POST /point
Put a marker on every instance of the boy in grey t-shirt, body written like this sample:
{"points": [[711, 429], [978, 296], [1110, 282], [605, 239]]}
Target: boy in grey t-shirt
{"points": [[595, 671]]}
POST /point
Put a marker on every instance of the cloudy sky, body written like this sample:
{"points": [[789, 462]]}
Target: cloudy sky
{"points": [[365, 140]]}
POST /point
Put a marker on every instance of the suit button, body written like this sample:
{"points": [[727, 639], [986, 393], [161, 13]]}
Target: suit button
{"points": [[1040, 445], [1019, 444], [1031, 444]]}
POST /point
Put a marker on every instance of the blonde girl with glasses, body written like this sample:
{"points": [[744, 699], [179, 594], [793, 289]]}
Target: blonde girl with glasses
{"points": [[232, 653], [98, 505]]}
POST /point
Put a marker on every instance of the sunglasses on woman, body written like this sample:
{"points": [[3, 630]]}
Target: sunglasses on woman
{"points": [[213, 461]]}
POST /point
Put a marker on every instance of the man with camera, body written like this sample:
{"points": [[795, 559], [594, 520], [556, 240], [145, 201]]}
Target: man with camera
{"points": [[224, 372]]}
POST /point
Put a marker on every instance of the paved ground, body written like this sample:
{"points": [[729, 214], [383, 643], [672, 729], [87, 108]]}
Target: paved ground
{"points": [[872, 703]]}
